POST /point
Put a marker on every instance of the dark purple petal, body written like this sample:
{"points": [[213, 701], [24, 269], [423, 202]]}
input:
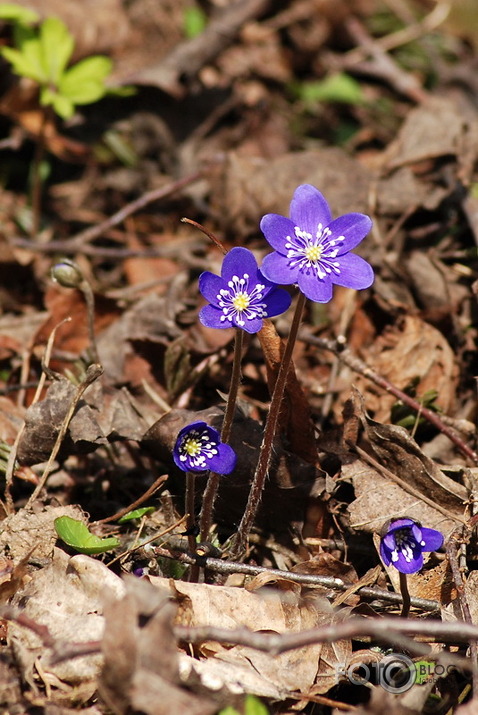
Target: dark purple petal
{"points": [[211, 318], [276, 268], [277, 302], [355, 272], [276, 229], [399, 524], [209, 285], [433, 539], [412, 566], [225, 461], [251, 325], [238, 262], [385, 553], [416, 532], [314, 288], [308, 208], [352, 228]]}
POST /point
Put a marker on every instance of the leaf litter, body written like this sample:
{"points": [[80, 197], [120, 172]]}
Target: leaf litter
{"points": [[222, 123]]}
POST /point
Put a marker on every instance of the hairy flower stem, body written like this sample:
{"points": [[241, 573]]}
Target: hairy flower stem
{"points": [[262, 469], [189, 507], [210, 492], [405, 595]]}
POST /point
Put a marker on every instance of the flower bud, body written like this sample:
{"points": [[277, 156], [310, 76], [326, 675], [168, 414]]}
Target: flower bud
{"points": [[67, 274]]}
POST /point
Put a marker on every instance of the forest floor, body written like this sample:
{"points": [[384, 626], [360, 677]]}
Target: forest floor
{"points": [[108, 602]]}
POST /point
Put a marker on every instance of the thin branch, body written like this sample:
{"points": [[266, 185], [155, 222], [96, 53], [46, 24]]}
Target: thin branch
{"points": [[454, 542], [93, 373], [177, 552], [80, 241], [362, 368], [157, 484], [396, 632]]}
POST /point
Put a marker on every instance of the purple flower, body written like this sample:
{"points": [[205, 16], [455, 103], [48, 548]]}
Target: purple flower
{"points": [[313, 250], [199, 447], [241, 297], [403, 542]]}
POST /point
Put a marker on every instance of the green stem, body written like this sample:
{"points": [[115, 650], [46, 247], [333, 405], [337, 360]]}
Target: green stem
{"points": [[405, 595], [263, 464], [210, 492]]}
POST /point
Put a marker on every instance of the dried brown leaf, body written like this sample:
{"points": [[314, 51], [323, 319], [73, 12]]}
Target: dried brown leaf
{"points": [[67, 598], [413, 350], [137, 674], [43, 421], [295, 418], [438, 127], [25, 528]]}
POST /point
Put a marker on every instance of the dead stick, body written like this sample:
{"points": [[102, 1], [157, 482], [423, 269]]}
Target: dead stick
{"points": [[363, 369], [455, 540], [93, 373], [178, 553], [149, 492]]}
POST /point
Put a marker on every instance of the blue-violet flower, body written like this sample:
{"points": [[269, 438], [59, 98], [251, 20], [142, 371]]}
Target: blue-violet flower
{"points": [[312, 250], [241, 297], [403, 542], [199, 448]]}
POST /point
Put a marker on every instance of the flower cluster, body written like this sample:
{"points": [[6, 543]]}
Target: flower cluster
{"points": [[403, 542], [313, 250], [241, 297], [199, 448]]}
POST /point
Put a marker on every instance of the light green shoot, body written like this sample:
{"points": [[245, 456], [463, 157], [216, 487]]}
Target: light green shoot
{"points": [[42, 53]]}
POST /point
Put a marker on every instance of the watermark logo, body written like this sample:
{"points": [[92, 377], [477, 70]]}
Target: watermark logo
{"points": [[394, 672]]}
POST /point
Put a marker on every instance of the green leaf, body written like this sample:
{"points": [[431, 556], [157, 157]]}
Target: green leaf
{"points": [[63, 106], [195, 20], [22, 64], [338, 87], [76, 534], [56, 47], [14, 13], [136, 514], [252, 706], [85, 82]]}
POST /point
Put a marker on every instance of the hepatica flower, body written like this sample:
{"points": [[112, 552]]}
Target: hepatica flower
{"points": [[199, 448], [313, 250], [403, 542], [241, 297]]}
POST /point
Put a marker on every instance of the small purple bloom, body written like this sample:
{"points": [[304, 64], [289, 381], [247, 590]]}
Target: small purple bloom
{"points": [[403, 542], [241, 297], [199, 448], [313, 250]]}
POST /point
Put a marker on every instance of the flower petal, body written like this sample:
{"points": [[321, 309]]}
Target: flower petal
{"points": [[308, 208], [224, 461], [277, 229], [277, 302], [251, 325], [352, 228], [398, 524], [355, 272], [385, 553], [412, 566], [433, 539], [211, 318], [237, 262], [320, 291], [209, 285], [276, 268]]}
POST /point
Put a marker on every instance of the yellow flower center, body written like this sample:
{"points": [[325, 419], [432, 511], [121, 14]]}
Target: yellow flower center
{"points": [[192, 447], [241, 301], [313, 253]]}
